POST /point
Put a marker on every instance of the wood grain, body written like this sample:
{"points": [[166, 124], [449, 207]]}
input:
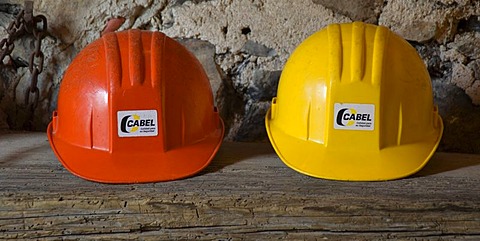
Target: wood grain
{"points": [[246, 193]]}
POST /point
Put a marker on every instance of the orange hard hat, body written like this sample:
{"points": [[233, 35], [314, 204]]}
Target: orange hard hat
{"points": [[135, 106]]}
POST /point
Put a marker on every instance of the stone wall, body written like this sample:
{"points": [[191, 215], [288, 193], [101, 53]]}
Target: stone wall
{"points": [[243, 45]]}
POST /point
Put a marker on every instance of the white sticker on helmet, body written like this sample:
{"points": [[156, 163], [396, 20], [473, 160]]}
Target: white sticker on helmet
{"points": [[354, 117], [133, 123]]}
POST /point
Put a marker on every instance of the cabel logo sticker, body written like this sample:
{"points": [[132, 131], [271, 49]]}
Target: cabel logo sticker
{"points": [[137, 123], [354, 116]]}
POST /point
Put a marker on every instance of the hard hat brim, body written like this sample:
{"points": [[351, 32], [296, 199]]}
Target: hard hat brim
{"points": [[136, 167], [314, 159]]}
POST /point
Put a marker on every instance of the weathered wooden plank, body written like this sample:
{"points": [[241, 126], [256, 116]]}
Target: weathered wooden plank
{"points": [[246, 193]]}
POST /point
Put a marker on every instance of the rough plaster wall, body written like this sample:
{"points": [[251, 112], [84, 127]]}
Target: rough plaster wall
{"points": [[243, 45]]}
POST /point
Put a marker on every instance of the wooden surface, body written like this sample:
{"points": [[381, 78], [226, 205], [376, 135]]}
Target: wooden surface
{"points": [[246, 193]]}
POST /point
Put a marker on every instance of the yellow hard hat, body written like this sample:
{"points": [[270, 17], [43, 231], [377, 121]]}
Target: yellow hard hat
{"points": [[355, 103]]}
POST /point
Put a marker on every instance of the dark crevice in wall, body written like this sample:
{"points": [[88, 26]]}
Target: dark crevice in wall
{"points": [[470, 24], [457, 111], [246, 30], [12, 9], [430, 52], [229, 102]]}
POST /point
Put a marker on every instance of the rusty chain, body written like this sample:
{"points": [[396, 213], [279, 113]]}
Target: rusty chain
{"points": [[26, 23]]}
